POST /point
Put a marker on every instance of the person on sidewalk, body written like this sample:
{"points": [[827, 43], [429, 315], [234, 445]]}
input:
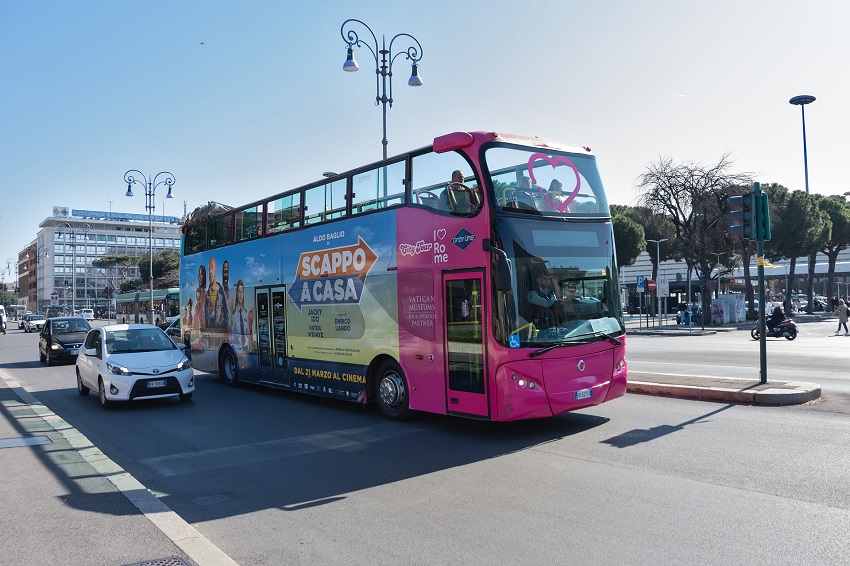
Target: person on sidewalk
{"points": [[841, 311]]}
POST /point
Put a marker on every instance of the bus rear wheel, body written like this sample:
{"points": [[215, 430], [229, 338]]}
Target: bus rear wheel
{"points": [[228, 367], [391, 392]]}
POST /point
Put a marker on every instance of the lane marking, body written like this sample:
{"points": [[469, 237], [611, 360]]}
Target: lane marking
{"points": [[196, 546]]}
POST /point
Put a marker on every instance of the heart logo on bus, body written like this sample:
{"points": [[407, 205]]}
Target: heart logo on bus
{"points": [[554, 162]]}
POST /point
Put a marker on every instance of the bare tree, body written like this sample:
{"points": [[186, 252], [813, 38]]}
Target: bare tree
{"points": [[696, 199]]}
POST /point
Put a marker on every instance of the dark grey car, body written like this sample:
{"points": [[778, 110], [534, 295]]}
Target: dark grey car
{"points": [[61, 338]]}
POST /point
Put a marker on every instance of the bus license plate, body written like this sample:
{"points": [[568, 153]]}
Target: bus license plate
{"points": [[157, 383], [584, 394]]}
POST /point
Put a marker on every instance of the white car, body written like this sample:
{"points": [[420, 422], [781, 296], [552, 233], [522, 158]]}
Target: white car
{"points": [[34, 322], [129, 362], [87, 314]]}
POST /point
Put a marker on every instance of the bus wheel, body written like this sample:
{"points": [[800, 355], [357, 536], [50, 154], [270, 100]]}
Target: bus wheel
{"points": [[391, 393], [228, 367]]}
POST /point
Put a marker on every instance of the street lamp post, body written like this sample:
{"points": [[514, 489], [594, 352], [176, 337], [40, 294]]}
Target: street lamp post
{"points": [[41, 252], [9, 263], [801, 101], [150, 184], [384, 66], [74, 231], [657, 270]]}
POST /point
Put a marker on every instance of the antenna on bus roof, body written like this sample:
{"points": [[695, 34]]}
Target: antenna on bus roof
{"points": [[330, 174]]}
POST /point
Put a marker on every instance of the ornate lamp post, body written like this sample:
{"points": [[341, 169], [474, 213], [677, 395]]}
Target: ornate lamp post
{"points": [[74, 231], [384, 66], [9, 263], [801, 101], [150, 184]]}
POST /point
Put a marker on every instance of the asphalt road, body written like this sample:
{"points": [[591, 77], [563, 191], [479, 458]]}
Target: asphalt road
{"points": [[278, 478], [816, 355]]}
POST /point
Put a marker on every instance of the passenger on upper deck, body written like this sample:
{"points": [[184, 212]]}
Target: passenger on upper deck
{"points": [[555, 198], [459, 197]]}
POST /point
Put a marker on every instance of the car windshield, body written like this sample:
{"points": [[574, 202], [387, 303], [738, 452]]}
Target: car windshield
{"points": [[35, 317], [137, 340], [69, 326]]}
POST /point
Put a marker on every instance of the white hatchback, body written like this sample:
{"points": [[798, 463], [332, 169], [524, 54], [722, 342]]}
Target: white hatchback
{"points": [[87, 314], [128, 362]]}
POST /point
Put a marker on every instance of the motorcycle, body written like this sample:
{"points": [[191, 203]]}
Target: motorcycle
{"points": [[786, 329]]}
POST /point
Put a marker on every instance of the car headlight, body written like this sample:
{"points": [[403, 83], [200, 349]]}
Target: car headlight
{"points": [[118, 370], [55, 346], [185, 363]]}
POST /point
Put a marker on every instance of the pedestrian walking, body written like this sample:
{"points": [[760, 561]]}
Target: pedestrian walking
{"points": [[841, 311]]}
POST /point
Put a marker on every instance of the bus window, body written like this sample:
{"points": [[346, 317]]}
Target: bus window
{"points": [[325, 202], [378, 188], [249, 223], [196, 238], [284, 213], [219, 231], [433, 185]]}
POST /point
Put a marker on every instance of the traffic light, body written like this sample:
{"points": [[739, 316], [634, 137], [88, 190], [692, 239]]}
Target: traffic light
{"points": [[763, 216], [743, 213]]}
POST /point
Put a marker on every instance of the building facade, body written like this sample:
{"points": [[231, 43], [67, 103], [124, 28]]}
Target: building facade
{"points": [[59, 270]]}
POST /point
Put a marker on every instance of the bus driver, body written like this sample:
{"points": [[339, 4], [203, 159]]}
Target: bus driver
{"points": [[544, 307]]}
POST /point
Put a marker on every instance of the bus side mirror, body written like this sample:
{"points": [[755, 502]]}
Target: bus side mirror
{"points": [[502, 269]]}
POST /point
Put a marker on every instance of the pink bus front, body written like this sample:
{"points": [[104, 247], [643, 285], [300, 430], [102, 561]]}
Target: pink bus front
{"points": [[474, 277]]}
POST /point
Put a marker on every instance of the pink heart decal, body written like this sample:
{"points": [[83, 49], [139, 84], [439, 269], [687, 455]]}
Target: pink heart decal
{"points": [[554, 162]]}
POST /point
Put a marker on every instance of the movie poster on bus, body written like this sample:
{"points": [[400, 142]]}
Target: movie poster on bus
{"points": [[342, 295]]}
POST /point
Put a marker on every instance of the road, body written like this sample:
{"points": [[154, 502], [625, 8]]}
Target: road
{"points": [[278, 478], [817, 355]]}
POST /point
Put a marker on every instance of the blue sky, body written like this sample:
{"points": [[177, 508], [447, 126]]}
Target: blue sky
{"points": [[241, 100]]}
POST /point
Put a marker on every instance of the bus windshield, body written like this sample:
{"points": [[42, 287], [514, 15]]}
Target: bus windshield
{"points": [[545, 183], [564, 287]]}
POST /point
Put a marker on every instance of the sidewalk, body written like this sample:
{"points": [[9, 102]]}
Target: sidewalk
{"points": [[730, 389], [62, 501]]}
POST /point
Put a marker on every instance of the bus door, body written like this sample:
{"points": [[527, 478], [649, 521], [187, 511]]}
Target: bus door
{"points": [[271, 344], [466, 388]]}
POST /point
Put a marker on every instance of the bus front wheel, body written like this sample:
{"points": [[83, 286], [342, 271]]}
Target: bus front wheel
{"points": [[391, 392], [228, 367]]}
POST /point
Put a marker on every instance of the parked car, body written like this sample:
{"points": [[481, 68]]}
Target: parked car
{"points": [[130, 362], [34, 322], [173, 331], [61, 338]]}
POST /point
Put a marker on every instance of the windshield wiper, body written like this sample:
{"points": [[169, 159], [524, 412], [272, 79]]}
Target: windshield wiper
{"points": [[583, 339]]}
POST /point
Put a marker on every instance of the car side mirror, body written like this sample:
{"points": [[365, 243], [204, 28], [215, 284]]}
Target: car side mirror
{"points": [[91, 352]]}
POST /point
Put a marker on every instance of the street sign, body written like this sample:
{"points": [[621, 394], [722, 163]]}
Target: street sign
{"points": [[571, 289], [650, 285], [663, 287], [640, 282]]}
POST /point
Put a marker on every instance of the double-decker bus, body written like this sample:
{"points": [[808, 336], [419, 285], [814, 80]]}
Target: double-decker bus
{"points": [[474, 277]]}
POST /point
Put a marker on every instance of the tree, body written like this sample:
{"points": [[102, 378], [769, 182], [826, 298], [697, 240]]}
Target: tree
{"points": [[695, 199], [628, 236], [115, 268], [799, 228], [839, 238], [164, 263]]}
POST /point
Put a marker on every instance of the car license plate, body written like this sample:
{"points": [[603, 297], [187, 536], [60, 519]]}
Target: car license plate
{"points": [[157, 383], [584, 394]]}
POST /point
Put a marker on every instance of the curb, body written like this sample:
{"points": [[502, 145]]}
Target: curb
{"points": [[731, 390]]}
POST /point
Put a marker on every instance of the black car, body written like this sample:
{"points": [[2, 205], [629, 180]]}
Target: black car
{"points": [[61, 338], [173, 330]]}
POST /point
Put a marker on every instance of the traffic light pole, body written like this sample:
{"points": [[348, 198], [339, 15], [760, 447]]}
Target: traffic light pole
{"points": [[762, 303]]}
